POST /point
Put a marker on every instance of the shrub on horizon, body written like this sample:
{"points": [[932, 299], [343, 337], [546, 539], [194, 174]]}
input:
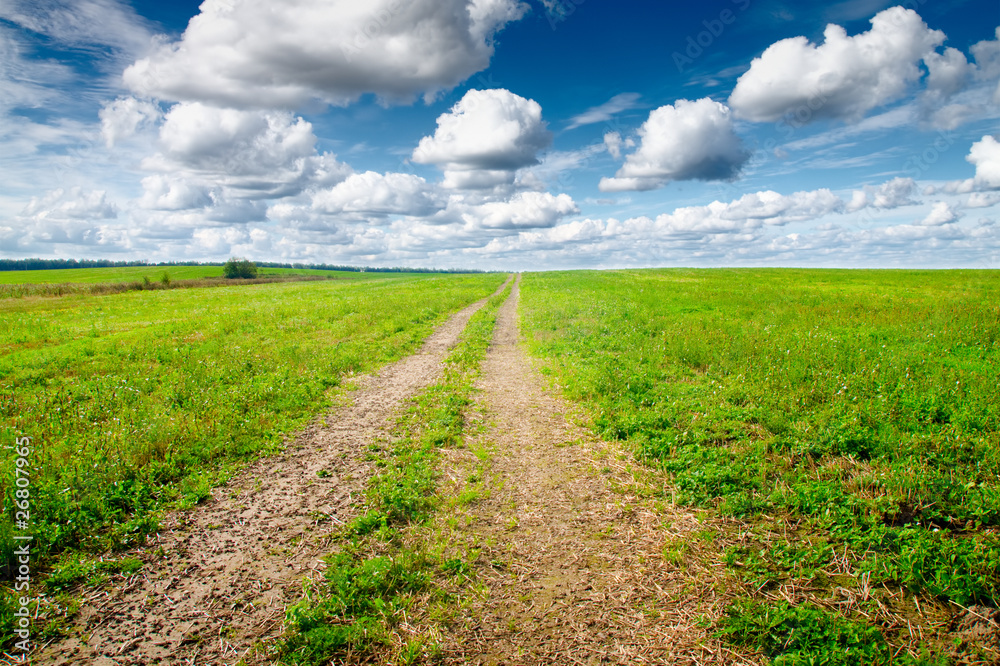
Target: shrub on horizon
{"points": [[239, 267]]}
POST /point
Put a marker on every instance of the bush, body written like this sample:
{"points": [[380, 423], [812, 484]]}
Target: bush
{"points": [[238, 267]]}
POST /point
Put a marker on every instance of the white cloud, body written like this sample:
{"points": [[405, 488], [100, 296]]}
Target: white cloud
{"points": [[71, 216], [71, 204], [241, 53], [985, 155], [27, 82], [778, 209], [696, 236], [614, 143], [485, 138], [83, 24], [606, 111], [254, 154], [845, 77], [987, 55], [122, 118], [162, 192], [684, 141], [220, 242], [378, 194], [524, 210], [941, 213], [982, 200], [891, 194], [947, 73]]}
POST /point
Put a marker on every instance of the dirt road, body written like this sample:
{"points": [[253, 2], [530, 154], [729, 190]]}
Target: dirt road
{"points": [[572, 567], [572, 560]]}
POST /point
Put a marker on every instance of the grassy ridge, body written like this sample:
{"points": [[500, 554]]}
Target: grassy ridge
{"points": [[139, 399], [850, 416]]}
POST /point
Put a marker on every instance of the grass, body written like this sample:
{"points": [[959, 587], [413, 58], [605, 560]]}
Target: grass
{"points": [[144, 400], [849, 418], [374, 578]]}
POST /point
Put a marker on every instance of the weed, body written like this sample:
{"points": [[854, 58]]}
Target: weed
{"points": [[804, 634]]}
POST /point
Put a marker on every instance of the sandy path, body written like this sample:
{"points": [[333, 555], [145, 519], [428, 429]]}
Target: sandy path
{"points": [[571, 558], [216, 583]]}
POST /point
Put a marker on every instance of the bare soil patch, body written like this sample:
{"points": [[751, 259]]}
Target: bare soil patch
{"points": [[217, 579]]}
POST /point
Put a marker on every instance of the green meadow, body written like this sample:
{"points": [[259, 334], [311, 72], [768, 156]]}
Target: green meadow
{"points": [[844, 424], [836, 432], [145, 399]]}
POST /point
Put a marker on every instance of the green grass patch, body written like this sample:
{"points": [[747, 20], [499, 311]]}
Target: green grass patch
{"points": [[803, 635]]}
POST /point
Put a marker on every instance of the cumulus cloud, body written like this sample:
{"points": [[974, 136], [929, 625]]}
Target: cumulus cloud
{"points": [[985, 156], [163, 192], [485, 138], [959, 91], [684, 141], [67, 216], [892, 194], [606, 111], [845, 77], [254, 154], [779, 209], [523, 210], [70, 204], [122, 118], [614, 144], [240, 53], [376, 194], [982, 200], [987, 55], [941, 213], [947, 73]]}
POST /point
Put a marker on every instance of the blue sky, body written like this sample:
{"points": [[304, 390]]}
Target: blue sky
{"points": [[503, 134]]}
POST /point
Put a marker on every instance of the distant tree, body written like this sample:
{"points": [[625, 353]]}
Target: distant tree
{"points": [[239, 267]]}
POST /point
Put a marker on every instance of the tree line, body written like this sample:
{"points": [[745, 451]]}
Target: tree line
{"points": [[36, 264]]}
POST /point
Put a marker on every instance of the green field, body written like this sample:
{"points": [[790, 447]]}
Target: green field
{"points": [[134, 273], [837, 433], [846, 422], [142, 399]]}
